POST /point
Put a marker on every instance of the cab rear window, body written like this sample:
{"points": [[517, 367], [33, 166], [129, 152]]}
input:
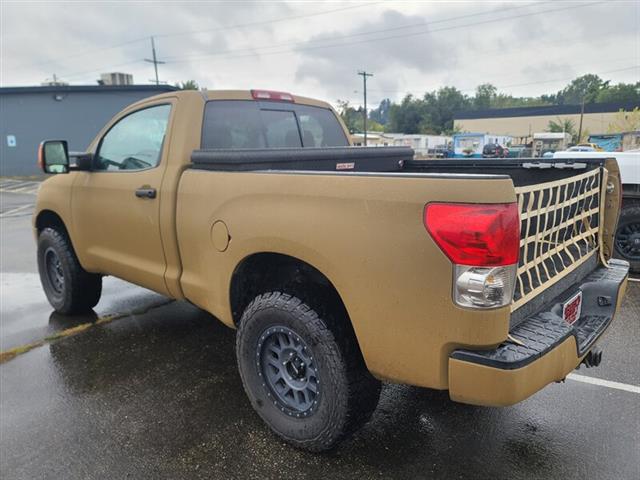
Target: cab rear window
{"points": [[252, 124]]}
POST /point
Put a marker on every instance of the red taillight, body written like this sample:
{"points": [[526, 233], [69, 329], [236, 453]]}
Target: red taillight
{"points": [[270, 95], [475, 234]]}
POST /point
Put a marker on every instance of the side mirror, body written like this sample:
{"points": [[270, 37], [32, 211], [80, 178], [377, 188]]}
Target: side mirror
{"points": [[53, 156]]}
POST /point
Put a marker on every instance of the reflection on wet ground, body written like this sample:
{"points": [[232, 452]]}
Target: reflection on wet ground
{"points": [[158, 396]]}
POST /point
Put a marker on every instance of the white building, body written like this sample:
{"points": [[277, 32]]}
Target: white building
{"points": [[423, 145]]}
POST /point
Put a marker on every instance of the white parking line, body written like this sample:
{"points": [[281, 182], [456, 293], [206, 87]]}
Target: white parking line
{"points": [[634, 279], [30, 188], [604, 383], [14, 211]]}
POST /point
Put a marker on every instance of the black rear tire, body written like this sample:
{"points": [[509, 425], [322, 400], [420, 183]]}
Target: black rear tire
{"points": [[341, 394], [627, 241], [69, 288]]}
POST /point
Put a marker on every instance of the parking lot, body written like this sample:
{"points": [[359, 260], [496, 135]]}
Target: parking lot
{"points": [[148, 388]]}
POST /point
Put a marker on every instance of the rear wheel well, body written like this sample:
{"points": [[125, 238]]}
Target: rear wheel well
{"points": [[269, 272]]}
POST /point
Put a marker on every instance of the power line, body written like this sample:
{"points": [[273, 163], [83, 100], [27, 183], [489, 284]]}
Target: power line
{"points": [[185, 58], [448, 28], [360, 34], [264, 22], [410, 90], [79, 54], [230, 27], [86, 72], [590, 39], [540, 82], [566, 78], [391, 37]]}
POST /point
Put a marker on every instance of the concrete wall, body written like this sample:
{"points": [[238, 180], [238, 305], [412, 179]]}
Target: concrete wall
{"points": [[523, 126], [33, 114]]}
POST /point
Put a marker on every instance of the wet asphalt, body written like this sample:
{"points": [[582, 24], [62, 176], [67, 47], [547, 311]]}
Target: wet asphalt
{"points": [[155, 394]]}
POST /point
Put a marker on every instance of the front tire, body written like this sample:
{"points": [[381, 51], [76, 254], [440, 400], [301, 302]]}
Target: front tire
{"points": [[69, 288], [306, 382]]}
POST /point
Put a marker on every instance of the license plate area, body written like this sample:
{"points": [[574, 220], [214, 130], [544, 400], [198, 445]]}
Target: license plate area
{"points": [[572, 308]]}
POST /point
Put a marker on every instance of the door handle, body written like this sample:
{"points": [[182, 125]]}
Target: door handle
{"points": [[146, 192]]}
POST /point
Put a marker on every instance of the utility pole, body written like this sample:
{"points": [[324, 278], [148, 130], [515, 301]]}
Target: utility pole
{"points": [[581, 117], [155, 60], [364, 79]]}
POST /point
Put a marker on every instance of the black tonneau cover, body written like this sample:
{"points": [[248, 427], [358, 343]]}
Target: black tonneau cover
{"points": [[523, 171], [355, 159]]}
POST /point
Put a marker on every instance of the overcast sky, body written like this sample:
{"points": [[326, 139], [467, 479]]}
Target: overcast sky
{"points": [[316, 48]]}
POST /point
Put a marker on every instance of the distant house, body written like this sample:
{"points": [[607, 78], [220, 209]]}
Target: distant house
{"points": [[470, 145], [72, 113], [423, 145]]}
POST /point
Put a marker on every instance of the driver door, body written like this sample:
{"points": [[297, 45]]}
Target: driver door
{"points": [[116, 206]]}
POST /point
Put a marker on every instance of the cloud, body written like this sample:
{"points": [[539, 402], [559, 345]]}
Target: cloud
{"points": [[403, 43], [417, 47]]}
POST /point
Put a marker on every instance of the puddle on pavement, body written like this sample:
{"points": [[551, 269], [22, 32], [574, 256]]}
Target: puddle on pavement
{"points": [[26, 316]]}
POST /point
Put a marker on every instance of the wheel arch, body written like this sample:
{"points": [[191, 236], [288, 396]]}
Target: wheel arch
{"points": [[50, 219], [268, 271]]}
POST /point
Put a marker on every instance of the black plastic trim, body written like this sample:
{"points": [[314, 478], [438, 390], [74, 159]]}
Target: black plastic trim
{"points": [[545, 330]]}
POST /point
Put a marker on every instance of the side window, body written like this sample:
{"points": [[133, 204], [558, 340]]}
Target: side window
{"points": [[232, 124], [319, 127], [135, 141], [281, 128]]}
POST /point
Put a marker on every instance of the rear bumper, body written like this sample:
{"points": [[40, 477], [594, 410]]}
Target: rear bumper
{"points": [[548, 348]]}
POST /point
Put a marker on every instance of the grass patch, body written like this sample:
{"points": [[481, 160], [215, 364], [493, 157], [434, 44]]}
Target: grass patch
{"points": [[14, 352], [68, 332]]}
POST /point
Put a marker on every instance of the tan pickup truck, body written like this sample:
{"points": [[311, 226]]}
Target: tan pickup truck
{"points": [[339, 266]]}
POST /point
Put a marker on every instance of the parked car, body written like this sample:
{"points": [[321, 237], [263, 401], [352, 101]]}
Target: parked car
{"points": [[338, 266], [581, 148], [595, 146], [494, 150]]}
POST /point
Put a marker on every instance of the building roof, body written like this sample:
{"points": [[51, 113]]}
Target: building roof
{"points": [[87, 88], [542, 111], [551, 135]]}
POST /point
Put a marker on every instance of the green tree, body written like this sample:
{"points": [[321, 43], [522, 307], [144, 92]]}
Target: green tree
{"points": [[565, 125], [406, 116], [188, 85], [381, 114], [353, 118], [441, 107], [586, 87], [620, 93], [625, 121], [485, 96]]}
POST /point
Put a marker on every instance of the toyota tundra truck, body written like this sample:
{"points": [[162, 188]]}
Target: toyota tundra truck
{"points": [[339, 266]]}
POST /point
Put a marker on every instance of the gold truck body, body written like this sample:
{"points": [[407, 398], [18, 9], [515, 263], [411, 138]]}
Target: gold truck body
{"points": [[363, 232]]}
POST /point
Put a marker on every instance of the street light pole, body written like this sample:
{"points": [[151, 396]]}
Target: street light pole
{"points": [[364, 79]]}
